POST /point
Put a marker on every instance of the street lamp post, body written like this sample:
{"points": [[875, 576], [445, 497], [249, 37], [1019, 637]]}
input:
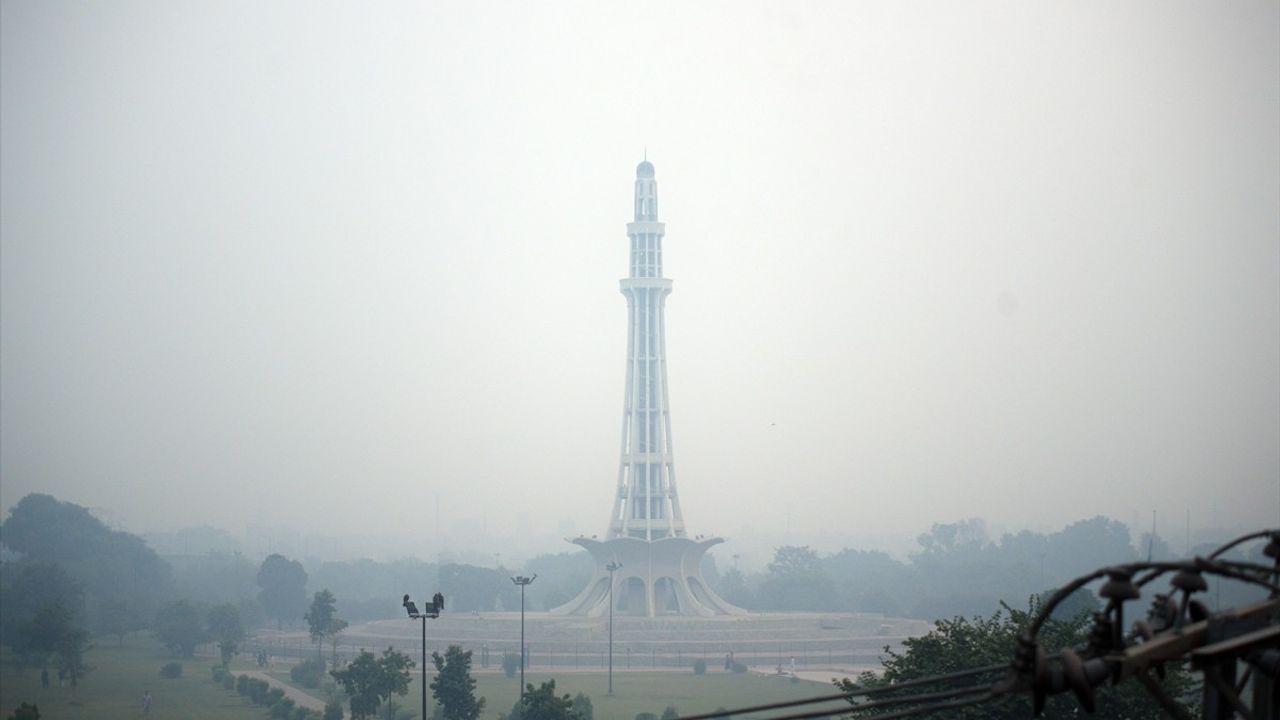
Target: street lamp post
{"points": [[429, 610], [522, 581], [611, 567]]}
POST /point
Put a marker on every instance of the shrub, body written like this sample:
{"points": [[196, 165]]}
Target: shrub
{"points": [[25, 712], [282, 708], [218, 673], [510, 663], [258, 691], [671, 713], [582, 705], [738, 667], [301, 713], [333, 710], [242, 684], [274, 695], [308, 673], [229, 681], [171, 670], [699, 667]]}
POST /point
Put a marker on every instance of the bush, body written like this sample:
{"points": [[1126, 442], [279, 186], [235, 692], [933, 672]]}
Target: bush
{"points": [[229, 681], [171, 670], [699, 667], [218, 673], [308, 673], [282, 708], [582, 705], [510, 664], [258, 691], [333, 710], [242, 684], [738, 667], [25, 712], [671, 713], [274, 695]]}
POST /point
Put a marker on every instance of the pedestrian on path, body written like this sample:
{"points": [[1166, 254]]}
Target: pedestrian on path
{"points": [[146, 702]]}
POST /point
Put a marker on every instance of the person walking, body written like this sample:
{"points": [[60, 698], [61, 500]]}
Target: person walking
{"points": [[146, 702], [44, 678]]}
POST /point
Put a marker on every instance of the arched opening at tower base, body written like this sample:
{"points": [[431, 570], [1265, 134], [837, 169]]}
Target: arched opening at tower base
{"points": [[665, 599], [631, 598]]}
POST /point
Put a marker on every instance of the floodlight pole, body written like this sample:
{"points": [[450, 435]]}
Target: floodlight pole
{"points": [[430, 610], [522, 581], [611, 567]]}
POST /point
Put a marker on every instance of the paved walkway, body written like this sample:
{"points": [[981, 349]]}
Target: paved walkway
{"points": [[297, 696]]}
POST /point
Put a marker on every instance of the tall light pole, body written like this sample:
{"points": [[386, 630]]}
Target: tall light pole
{"points": [[611, 567], [429, 610], [522, 581]]}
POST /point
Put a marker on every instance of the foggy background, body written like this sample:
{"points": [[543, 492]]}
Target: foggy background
{"points": [[350, 271]]}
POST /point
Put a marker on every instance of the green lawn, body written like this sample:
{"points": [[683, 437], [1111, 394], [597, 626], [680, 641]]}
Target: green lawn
{"points": [[113, 690]]}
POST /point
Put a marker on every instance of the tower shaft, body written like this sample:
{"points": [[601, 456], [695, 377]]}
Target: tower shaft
{"points": [[646, 505]]}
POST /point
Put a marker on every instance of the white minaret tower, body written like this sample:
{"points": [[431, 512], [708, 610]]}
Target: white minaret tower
{"points": [[646, 505], [657, 568]]}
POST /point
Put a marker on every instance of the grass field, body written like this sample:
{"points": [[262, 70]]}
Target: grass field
{"points": [[113, 691]]}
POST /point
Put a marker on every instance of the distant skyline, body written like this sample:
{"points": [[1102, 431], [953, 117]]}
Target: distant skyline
{"points": [[324, 266]]}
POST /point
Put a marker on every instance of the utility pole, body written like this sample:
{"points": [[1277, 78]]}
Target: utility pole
{"points": [[611, 567], [429, 610], [522, 581]]}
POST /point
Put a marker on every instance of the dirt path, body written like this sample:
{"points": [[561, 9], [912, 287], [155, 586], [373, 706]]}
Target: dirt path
{"points": [[297, 696]]}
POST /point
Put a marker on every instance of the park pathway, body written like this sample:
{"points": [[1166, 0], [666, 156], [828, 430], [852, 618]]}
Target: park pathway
{"points": [[297, 696]]}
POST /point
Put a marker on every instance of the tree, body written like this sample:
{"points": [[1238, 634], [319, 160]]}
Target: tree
{"points": [[225, 627], [25, 712], [178, 626], [29, 588], [117, 618], [960, 644], [542, 703], [583, 707], [52, 634], [670, 713], [323, 621], [284, 588], [454, 688], [108, 563], [796, 580], [370, 680]]}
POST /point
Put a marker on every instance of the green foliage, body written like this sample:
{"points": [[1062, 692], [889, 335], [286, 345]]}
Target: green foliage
{"points": [[646, 716], [796, 580], [28, 588], [308, 673], [475, 588], [282, 708], [228, 681], [583, 707], [510, 664], [178, 626], [171, 670], [738, 667], [561, 577], [959, 644], [225, 627], [369, 680], [333, 710], [323, 621], [670, 713], [542, 703], [242, 684], [274, 695], [51, 634], [25, 712], [699, 667], [284, 588], [219, 671], [47, 531], [454, 688]]}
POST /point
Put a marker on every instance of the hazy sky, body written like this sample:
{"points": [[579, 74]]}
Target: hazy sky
{"points": [[321, 265]]}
